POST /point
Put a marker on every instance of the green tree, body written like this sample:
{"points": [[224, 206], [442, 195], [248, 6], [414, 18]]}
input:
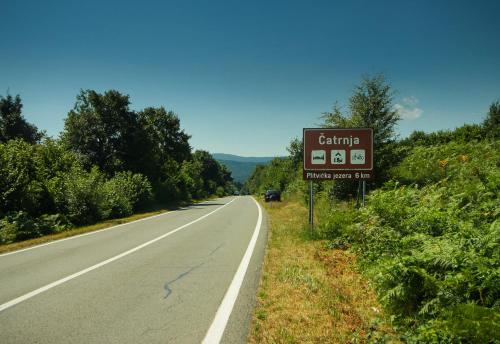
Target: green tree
{"points": [[165, 140], [255, 183], [19, 187], [492, 122], [191, 181], [12, 123], [296, 151], [102, 127], [212, 173], [276, 175], [370, 106]]}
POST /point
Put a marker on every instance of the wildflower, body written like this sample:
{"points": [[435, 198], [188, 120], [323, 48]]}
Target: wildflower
{"points": [[443, 163]]}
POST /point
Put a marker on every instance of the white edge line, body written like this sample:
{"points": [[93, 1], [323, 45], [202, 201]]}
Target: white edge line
{"points": [[216, 330], [93, 232], [98, 265]]}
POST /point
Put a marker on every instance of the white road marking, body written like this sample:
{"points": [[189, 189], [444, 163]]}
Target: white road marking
{"points": [[89, 233], [216, 330], [105, 262]]}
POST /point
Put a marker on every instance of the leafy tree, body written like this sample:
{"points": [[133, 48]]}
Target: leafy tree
{"points": [[277, 175], [463, 134], [212, 173], [492, 122], [296, 151], [19, 187], [191, 181], [102, 127], [168, 186], [370, 106], [210, 170], [164, 140], [12, 123], [225, 174]]}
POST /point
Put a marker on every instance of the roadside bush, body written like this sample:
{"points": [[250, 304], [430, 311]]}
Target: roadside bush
{"points": [[433, 249], [8, 231], [125, 193], [220, 192], [78, 194], [17, 226], [19, 188], [53, 223], [335, 223], [427, 165]]}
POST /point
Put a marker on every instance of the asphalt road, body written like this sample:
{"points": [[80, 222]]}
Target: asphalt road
{"points": [[158, 280]]}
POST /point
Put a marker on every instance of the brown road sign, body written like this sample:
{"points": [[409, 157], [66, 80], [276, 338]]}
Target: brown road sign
{"points": [[338, 153]]}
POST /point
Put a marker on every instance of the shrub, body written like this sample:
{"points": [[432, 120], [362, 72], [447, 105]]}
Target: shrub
{"points": [[427, 165], [433, 249], [18, 226], [78, 194], [220, 192], [335, 223], [19, 189], [8, 232], [53, 223], [124, 193]]}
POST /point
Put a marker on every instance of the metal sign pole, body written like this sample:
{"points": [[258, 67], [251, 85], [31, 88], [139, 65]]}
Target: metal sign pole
{"points": [[310, 196], [364, 192], [311, 205], [358, 194]]}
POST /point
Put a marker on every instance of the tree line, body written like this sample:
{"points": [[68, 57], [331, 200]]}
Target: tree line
{"points": [[370, 106], [109, 161]]}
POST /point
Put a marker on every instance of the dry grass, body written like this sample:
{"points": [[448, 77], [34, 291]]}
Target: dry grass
{"points": [[76, 231], [309, 293]]}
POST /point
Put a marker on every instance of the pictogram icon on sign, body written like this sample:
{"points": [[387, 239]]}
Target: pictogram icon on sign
{"points": [[338, 156], [357, 156], [318, 157]]}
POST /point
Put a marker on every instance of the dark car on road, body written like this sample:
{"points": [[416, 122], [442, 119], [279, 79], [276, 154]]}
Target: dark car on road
{"points": [[272, 195]]}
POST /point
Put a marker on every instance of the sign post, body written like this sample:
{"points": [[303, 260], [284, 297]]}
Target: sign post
{"points": [[344, 154], [311, 206], [364, 192]]}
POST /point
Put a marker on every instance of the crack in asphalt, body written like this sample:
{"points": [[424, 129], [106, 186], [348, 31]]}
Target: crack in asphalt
{"points": [[215, 250], [167, 287]]}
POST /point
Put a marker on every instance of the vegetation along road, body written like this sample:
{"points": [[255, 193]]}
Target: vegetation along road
{"points": [[185, 276]]}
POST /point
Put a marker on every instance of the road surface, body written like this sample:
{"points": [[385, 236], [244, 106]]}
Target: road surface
{"points": [[186, 276]]}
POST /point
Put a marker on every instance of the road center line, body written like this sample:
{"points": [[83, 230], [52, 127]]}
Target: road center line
{"points": [[105, 262], [216, 330]]}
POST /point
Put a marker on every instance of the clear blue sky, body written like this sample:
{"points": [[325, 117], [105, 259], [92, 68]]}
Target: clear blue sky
{"points": [[246, 76]]}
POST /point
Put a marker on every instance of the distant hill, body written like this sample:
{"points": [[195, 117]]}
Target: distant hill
{"points": [[241, 167], [237, 158]]}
